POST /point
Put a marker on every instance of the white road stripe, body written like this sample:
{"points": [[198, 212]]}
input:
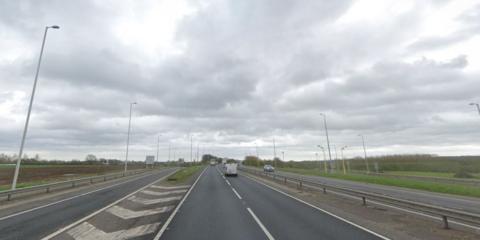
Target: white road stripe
{"points": [[153, 193], [170, 188], [228, 183], [322, 210], [70, 198], [153, 201], [264, 229], [128, 214], [87, 231], [164, 227], [236, 193]]}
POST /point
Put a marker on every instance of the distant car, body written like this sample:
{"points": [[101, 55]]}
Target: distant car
{"points": [[212, 163], [231, 169], [268, 168]]}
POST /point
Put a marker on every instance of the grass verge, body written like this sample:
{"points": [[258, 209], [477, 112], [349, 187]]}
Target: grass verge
{"points": [[455, 189], [184, 174]]}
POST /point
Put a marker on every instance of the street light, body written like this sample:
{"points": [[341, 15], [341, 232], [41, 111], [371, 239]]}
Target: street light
{"points": [[22, 144], [274, 153], [158, 144], [128, 135], [343, 159], [476, 104], [326, 134], [283, 156], [324, 158], [365, 152]]}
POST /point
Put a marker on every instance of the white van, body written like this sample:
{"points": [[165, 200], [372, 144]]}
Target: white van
{"points": [[231, 169]]}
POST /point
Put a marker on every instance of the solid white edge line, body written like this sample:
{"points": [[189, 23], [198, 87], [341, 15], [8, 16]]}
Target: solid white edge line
{"points": [[264, 229], [73, 197], [236, 193], [322, 210], [170, 218], [102, 209]]}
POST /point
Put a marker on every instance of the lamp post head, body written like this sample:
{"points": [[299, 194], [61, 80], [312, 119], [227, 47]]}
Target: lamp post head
{"points": [[54, 26], [473, 104]]}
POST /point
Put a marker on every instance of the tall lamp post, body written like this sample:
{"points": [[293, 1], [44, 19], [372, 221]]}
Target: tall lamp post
{"points": [[476, 105], [158, 145], [274, 153], [128, 135], [365, 152], [343, 159], [22, 144], [326, 134], [324, 158]]}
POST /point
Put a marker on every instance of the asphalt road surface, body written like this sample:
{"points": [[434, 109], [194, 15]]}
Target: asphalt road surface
{"points": [[41, 222], [241, 208], [467, 204]]}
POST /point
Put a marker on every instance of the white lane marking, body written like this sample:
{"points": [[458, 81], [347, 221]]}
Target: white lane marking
{"points": [[145, 201], [153, 193], [319, 209], [70, 198], [236, 193], [128, 214], [104, 208], [87, 231], [170, 188], [164, 227], [264, 229], [228, 183]]}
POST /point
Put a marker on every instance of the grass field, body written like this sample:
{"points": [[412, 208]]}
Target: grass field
{"points": [[184, 174], [406, 183], [31, 175], [427, 174]]}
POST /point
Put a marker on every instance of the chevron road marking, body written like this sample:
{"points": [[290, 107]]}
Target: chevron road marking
{"points": [[153, 201], [87, 231], [128, 214], [163, 193]]}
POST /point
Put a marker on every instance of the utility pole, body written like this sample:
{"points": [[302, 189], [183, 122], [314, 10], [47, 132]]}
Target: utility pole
{"points": [[191, 148], [256, 150], [169, 149], [158, 145], [25, 128]]}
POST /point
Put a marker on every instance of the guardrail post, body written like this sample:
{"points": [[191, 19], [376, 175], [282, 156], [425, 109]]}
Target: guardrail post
{"points": [[9, 196], [285, 180], [91, 180], [104, 179], [274, 176], [73, 184], [445, 222], [300, 185], [324, 190], [48, 189], [364, 200]]}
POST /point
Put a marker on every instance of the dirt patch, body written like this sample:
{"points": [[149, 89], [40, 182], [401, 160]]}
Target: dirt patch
{"points": [[392, 223]]}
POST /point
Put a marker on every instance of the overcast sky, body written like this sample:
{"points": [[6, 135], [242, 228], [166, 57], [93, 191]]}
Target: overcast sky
{"points": [[235, 74]]}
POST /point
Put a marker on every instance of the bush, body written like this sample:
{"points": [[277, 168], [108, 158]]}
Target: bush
{"points": [[463, 173]]}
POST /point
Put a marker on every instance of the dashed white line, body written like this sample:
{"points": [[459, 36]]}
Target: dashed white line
{"points": [[228, 182], [264, 229], [236, 193], [322, 210]]}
